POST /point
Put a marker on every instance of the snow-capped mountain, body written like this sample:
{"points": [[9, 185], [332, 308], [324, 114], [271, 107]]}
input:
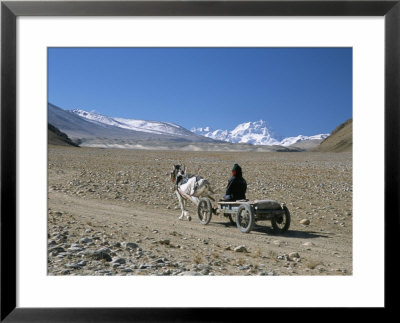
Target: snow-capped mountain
{"points": [[155, 127], [96, 130], [294, 140], [256, 133]]}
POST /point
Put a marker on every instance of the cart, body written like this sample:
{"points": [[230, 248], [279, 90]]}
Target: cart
{"points": [[245, 213]]}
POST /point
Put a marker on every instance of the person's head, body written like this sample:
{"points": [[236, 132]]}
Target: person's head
{"points": [[236, 170]]}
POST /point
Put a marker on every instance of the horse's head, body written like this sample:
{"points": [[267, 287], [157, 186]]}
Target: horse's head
{"points": [[177, 171]]}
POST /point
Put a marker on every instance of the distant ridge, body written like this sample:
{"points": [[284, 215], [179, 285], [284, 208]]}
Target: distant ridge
{"points": [[59, 138], [94, 129], [340, 140]]}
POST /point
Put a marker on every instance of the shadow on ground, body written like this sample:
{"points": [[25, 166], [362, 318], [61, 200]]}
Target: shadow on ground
{"points": [[266, 229], [290, 233]]}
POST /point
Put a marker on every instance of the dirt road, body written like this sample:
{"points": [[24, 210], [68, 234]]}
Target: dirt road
{"points": [[113, 212]]}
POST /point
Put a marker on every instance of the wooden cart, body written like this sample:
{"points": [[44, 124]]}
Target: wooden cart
{"points": [[246, 213]]}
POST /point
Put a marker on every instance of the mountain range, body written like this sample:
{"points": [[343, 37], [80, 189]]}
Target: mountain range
{"points": [[255, 133], [97, 130], [92, 129]]}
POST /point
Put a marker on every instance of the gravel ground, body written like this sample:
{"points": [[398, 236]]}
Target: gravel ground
{"points": [[113, 212]]}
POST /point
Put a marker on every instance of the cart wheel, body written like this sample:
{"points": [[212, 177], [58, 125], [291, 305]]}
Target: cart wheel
{"points": [[245, 218], [204, 210], [281, 223]]}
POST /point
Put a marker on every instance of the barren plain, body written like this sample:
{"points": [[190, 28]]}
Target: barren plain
{"points": [[113, 212]]}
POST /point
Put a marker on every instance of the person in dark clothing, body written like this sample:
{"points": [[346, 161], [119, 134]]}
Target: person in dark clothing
{"points": [[236, 189]]}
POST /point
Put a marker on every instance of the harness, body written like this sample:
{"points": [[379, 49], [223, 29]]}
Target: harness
{"points": [[184, 180], [183, 194]]}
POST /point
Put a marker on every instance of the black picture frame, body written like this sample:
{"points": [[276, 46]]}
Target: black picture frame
{"points": [[10, 10]]}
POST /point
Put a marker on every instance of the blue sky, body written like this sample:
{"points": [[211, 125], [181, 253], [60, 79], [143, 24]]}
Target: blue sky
{"points": [[296, 90]]}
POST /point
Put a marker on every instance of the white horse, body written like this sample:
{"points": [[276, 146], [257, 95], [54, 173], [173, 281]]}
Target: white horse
{"points": [[189, 187]]}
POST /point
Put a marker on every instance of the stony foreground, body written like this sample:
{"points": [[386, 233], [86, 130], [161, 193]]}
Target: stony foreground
{"points": [[113, 212]]}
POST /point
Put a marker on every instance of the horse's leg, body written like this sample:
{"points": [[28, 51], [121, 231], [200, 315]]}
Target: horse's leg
{"points": [[181, 205], [186, 213]]}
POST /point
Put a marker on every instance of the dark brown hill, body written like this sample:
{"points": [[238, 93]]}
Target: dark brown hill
{"points": [[56, 137], [340, 140]]}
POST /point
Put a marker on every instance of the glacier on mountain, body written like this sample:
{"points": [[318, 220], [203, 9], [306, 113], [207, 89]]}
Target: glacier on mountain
{"points": [[156, 127], [256, 133]]}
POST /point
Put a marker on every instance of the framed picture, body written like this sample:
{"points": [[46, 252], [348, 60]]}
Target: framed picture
{"points": [[36, 34]]}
